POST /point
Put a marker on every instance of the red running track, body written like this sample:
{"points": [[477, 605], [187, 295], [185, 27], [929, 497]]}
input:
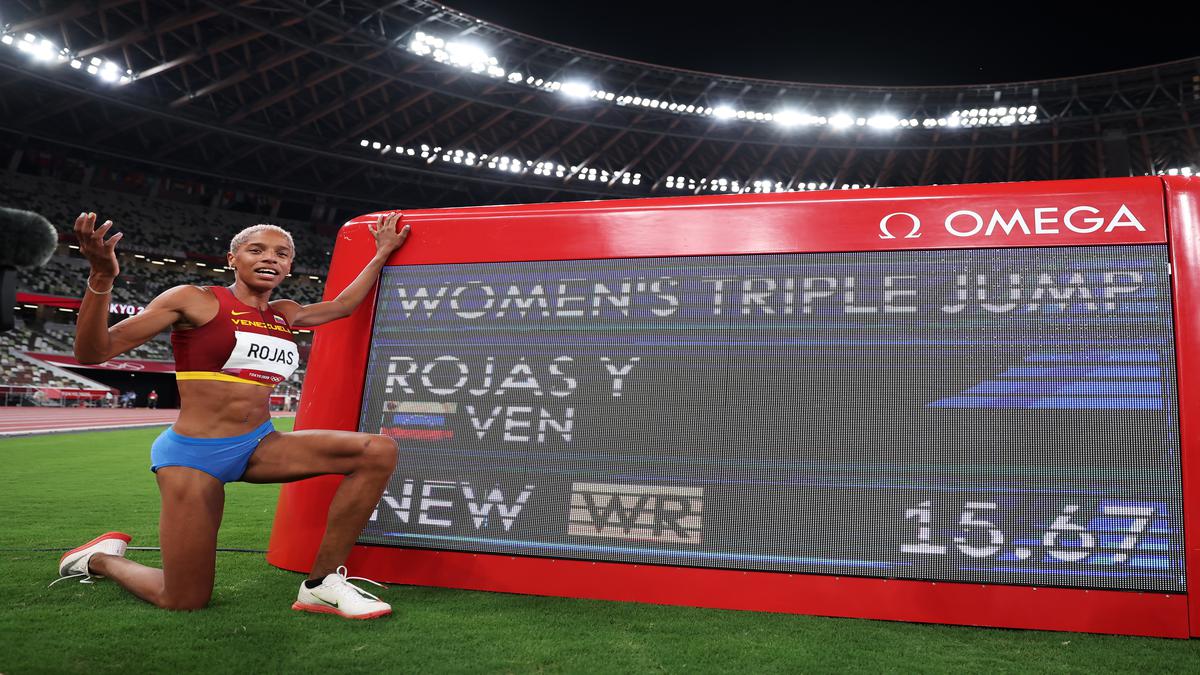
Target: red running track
{"points": [[15, 421]]}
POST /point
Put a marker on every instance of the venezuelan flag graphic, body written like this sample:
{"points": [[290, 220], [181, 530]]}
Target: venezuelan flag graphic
{"points": [[417, 420]]}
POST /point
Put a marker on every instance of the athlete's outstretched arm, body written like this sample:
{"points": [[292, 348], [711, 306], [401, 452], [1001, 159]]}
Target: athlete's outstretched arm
{"points": [[387, 240], [95, 341]]}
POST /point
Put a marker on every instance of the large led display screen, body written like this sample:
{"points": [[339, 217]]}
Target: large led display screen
{"points": [[991, 415]]}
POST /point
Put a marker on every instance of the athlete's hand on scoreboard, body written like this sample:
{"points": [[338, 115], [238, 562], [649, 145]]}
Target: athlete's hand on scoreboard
{"points": [[387, 237], [92, 245]]}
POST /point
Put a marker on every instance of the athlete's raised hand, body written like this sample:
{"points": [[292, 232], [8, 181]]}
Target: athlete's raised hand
{"points": [[387, 237], [98, 251]]}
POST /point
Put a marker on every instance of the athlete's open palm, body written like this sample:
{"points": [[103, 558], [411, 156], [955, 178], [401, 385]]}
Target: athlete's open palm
{"points": [[387, 237], [99, 252]]}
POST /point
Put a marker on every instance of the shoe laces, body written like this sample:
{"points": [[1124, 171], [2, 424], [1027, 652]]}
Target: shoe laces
{"points": [[87, 576], [86, 580], [342, 578]]}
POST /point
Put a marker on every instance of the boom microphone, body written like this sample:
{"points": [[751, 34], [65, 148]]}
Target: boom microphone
{"points": [[29, 241]]}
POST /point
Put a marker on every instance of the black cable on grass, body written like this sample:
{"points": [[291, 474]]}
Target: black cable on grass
{"points": [[131, 548], [219, 550]]}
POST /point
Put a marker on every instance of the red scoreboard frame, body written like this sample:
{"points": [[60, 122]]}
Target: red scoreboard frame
{"points": [[1145, 210]]}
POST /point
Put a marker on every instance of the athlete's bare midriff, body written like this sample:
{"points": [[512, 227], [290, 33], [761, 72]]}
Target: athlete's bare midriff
{"points": [[214, 409]]}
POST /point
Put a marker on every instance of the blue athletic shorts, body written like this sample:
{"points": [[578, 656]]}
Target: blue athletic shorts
{"points": [[222, 458]]}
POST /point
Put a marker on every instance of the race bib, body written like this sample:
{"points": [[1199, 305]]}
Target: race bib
{"points": [[262, 358]]}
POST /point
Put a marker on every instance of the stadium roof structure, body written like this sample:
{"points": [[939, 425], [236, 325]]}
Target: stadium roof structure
{"points": [[412, 103]]}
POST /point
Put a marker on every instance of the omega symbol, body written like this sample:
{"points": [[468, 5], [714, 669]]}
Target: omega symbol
{"points": [[914, 233]]}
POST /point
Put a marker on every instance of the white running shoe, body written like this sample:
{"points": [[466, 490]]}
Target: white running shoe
{"points": [[336, 595], [74, 563]]}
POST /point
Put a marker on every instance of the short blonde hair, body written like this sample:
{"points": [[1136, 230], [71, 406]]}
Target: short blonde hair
{"points": [[242, 237]]}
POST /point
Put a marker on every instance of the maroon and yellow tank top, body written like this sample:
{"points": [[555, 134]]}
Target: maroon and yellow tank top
{"points": [[240, 344]]}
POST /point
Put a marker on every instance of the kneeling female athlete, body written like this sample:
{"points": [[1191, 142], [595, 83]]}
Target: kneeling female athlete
{"points": [[232, 345]]}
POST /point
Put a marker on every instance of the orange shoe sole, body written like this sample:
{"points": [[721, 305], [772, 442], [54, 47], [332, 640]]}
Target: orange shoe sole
{"points": [[323, 609]]}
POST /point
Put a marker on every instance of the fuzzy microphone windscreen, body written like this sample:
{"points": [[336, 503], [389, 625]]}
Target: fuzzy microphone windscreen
{"points": [[28, 239]]}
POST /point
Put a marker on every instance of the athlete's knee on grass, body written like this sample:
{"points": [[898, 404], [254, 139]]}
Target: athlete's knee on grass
{"points": [[182, 602], [379, 454]]}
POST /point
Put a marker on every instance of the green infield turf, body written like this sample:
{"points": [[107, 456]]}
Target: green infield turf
{"points": [[61, 490]]}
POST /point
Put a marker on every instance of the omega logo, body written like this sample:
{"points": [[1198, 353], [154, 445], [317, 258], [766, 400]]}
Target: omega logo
{"points": [[914, 226]]}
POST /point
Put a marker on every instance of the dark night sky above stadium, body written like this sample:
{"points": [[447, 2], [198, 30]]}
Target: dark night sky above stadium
{"points": [[900, 43]]}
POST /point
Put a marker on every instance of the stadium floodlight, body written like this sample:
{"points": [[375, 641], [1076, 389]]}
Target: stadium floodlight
{"points": [[45, 51], [469, 55], [576, 89], [789, 118], [6, 39], [515, 77], [723, 112], [841, 121], [34, 49], [883, 122], [1176, 171]]}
